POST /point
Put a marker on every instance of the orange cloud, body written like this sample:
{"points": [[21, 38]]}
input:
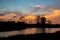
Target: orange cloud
{"points": [[30, 17], [54, 16], [8, 16]]}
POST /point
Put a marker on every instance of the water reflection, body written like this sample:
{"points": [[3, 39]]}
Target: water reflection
{"points": [[28, 31]]}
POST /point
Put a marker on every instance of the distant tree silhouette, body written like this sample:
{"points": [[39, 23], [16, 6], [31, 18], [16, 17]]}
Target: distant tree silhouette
{"points": [[1, 14], [49, 21], [43, 20], [21, 18], [38, 19]]}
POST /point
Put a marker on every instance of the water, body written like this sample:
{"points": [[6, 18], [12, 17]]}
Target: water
{"points": [[28, 31]]}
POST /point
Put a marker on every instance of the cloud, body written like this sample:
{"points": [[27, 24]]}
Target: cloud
{"points": [[43, 9], [40, 9], [39, 6], [54, 16]]}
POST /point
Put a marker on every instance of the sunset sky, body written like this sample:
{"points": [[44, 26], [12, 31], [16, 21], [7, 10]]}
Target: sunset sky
{"points": [[51, 8], [27, 6]]}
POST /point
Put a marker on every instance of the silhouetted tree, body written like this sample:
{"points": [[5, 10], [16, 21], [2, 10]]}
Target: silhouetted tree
{"points": [[21, 18], [49, 22], [43, 20], [38, 19]]}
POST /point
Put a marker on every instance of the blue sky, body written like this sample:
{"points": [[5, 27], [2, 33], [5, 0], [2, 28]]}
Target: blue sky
{"points": [[25, 5]]}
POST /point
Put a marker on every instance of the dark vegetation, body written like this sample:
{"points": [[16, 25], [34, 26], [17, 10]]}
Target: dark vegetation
{"points": [[11, 25]]}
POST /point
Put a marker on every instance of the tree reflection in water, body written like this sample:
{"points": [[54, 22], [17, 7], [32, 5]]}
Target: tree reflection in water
{"points": [[28, 31]]}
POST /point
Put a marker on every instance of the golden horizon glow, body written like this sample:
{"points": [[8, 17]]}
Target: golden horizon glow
{"points": [[52, 16]]}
